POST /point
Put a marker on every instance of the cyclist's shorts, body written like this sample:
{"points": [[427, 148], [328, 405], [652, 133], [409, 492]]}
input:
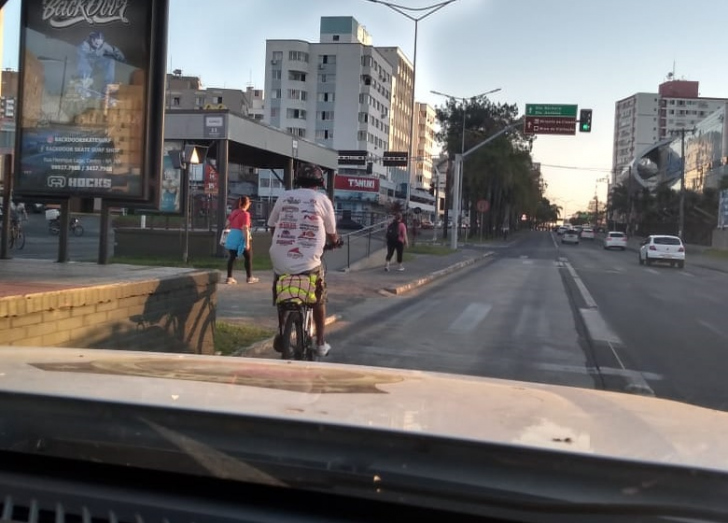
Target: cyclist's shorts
{"points": [[308, 287]]}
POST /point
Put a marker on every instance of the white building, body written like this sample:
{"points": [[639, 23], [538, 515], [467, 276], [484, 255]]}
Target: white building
{"points": [[256, 103], [644, 119], [424, 145], [339, 92]]}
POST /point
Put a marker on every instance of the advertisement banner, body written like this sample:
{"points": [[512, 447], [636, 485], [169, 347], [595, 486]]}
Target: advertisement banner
{"points": [[172, 193], [90, 95], [356, 183]]}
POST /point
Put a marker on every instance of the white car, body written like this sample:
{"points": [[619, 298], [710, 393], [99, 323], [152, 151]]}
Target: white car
{"points": [[587, 233], [663, 248], [570, 236], [616, 240], [561, 230]]}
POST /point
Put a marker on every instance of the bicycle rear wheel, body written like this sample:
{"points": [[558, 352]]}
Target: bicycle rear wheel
{"points": [[20, 240], [292, 343]]}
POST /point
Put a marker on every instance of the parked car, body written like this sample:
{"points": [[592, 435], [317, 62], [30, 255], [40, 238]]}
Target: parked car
{"points": [[570, 236], [662, 248], [587, 233], [615, 240]]}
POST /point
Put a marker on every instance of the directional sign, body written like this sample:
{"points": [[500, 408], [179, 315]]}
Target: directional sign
{"points": [[352, 157], [567, 110], [395, 159], [549, 125]]}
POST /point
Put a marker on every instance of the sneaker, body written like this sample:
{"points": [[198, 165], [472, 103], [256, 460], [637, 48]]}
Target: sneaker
{"points": [[231, 281], [386, 268], [252, 279], [400, 268], [323, 350]]}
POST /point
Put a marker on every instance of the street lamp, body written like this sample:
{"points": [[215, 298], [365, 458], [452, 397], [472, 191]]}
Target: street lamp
{"points": [[191, 155], [405, 11], [457, 193]]}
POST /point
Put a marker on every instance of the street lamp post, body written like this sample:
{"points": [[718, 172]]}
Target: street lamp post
{"points": [[458, 175], [406, 11], [192, 154]]}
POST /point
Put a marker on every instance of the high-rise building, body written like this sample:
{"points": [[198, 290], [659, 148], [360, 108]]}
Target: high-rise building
{"points": [[644, 119], [424, 145], [335, 92], [400, 115]]}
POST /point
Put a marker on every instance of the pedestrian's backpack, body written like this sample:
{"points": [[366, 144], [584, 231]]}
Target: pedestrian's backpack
{"points": [[393, 231]]}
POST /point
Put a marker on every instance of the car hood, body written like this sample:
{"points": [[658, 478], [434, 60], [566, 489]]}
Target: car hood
{"points": [[569, 419]]}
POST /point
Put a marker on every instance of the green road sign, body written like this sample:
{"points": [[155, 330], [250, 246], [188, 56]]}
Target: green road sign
{"points": [[565, 110]]}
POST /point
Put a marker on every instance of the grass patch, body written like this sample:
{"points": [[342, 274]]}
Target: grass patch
{"points": [[260, 263], [437, 250], [230, 337], [716, 253]]}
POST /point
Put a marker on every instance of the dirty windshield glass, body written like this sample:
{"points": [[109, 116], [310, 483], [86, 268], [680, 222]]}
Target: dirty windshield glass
{"points": [[359, 216]]}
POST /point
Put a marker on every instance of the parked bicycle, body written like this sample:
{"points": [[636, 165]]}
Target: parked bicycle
{"points": [[296, 298], [54, 226]]}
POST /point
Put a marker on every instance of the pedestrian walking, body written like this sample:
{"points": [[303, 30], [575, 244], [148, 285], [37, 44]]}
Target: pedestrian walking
{"points": [[396, 241], [239, 240]]}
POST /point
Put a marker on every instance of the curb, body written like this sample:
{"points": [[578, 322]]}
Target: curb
{"points": [[436, 275], [266, 345]]}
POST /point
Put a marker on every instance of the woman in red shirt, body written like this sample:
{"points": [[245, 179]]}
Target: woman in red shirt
{"points": [[240, 219]]}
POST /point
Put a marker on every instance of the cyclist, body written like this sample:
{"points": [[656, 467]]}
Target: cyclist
{"points": [[301, 222]]}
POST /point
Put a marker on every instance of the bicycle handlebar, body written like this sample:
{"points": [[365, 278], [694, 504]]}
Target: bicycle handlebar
{"points": [[332, 246]]}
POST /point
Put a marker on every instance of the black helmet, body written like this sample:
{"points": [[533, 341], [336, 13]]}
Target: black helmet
{"points": [[309, 175]]}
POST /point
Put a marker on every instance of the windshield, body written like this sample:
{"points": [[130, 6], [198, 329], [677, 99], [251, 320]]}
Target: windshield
{"points": [[354, 207], [662, 240]]}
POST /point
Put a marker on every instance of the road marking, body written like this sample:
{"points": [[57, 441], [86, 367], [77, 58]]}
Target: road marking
{"points": [[711, 328], [556, 245], [618, 269], [471, 317], [652, 271], [687, 274], [588, 299], [527, 262], [598, 328], [523, 256]]}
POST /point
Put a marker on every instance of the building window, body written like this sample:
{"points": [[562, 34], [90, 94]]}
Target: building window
{"points": [[176, 101], [275, 74], [361, 136], [199, 101], [327, 97], [327, 59], [275, 93], [296, 131], [297, 94], [298, 56], [297, 76], [277, 56], [326, 115], [336, 38], [324, 134], [274, 112], [298, 114], [327, 78]]}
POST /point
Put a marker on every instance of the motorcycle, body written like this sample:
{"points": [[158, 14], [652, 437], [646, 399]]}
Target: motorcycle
{"points": [[54, 226]]}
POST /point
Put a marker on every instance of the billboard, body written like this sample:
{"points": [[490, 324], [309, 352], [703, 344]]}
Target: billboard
{"points": [[91, 95], [723, 209], [356, 183], [172, 191]]}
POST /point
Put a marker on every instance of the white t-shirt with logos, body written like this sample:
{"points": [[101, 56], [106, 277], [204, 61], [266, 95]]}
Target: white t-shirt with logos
{"points": [[302, 218]]}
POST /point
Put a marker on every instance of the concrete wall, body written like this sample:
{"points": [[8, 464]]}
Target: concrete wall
{"points": [[174, 314]]}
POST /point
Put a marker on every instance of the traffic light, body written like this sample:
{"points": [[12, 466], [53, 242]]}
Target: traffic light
{"points": [[585, 120], [432, 189]]}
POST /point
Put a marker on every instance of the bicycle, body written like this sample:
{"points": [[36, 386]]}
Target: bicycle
{"points": [[17, 236], [296, 297]]}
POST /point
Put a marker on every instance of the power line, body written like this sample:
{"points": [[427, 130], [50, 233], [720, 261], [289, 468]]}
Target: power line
{"points": [[575, 167]]}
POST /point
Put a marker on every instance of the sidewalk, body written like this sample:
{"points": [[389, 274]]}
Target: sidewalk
{"points": [[252, 303], [694, 256]]}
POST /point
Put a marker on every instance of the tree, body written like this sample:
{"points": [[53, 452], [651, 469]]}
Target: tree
{"points": [[501, 172]]}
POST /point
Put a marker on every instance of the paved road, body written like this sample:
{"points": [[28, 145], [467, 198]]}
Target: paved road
{"points": [[507, 319], [669, 324], [40, 244], [577, 316]]}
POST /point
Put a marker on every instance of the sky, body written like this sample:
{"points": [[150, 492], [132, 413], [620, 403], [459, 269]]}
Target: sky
{"points": [[585, 52]]}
